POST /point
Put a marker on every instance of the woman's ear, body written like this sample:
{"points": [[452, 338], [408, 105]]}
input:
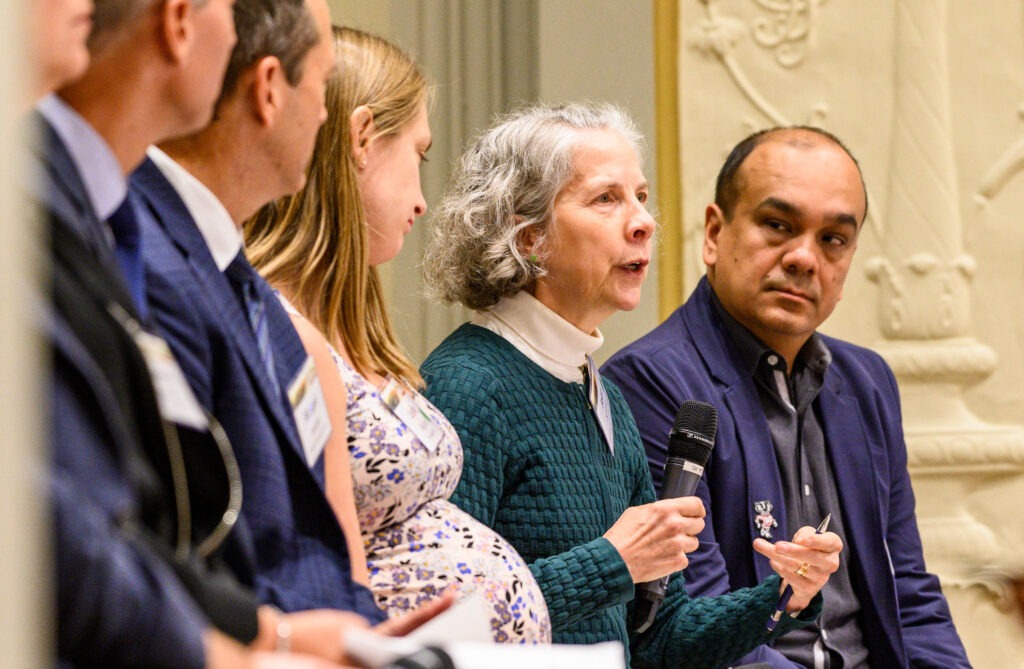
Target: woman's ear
{"points": [[526, 240], [360, 130]]}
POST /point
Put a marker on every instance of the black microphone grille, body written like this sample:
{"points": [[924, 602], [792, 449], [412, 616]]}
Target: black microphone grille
{"points": [[693, 434]]}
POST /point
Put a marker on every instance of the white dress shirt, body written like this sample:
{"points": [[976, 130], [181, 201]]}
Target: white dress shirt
{"points": [[104, 180], [222, 235]]}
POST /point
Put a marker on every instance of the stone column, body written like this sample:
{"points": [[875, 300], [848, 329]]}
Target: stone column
{"points": [[26, 618], [924, 280]]}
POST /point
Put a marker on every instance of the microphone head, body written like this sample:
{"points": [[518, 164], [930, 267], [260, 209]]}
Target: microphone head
{"points": [[693, 433]]}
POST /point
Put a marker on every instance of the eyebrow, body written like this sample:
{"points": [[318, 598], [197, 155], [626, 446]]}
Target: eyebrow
{"points": [[790, 209], [601, 183]]}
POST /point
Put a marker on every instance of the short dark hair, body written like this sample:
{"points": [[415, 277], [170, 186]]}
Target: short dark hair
{"points": [[108, 16], [728, 184], [284, 29]]}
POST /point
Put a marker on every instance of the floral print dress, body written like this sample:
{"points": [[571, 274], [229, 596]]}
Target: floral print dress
{"points": [[418, 544]]}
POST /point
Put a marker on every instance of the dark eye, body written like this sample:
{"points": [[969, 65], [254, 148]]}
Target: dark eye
{"points": [[604, 198], [642, 197], [834, 240], [776, 225]]}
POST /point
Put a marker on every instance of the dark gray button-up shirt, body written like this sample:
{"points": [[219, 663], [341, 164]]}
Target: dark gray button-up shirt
{"points": [[808, 485]]}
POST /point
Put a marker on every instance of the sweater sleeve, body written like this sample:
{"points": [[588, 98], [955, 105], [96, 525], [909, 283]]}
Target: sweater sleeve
{"points": [[702, 631], [578, 583], [713, 631]]}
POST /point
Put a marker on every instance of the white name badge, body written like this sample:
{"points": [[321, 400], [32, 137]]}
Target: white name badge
{"points": [[601, 406], [407, 408], [310, 410], [177, 402]]}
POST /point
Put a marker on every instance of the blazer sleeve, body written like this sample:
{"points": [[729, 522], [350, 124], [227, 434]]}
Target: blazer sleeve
{"points": [[929, 636], [118, 603]]}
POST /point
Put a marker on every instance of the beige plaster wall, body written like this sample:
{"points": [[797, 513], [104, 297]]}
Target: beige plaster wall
{"points": [[953, 102], [24, 584]]}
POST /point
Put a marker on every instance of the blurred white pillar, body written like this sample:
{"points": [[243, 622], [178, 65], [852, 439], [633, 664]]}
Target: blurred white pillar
{"points": [[25, 624]]}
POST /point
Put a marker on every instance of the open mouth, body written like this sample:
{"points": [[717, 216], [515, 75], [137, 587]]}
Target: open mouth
{"points": [[635, 266]]}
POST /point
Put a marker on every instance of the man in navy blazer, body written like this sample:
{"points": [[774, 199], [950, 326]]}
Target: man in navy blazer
{"points": [[143, 482], [808, 424], [261, 386], [141, 502]]}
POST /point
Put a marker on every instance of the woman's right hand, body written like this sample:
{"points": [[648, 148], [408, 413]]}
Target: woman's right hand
{"points": [[653, 539]]}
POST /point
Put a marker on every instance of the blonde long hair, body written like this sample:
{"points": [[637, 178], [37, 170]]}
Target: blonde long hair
{"points": [[313, 245]]}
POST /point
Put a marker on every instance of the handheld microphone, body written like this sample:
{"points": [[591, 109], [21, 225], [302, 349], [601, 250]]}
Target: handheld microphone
{"points": [[689, 447]]}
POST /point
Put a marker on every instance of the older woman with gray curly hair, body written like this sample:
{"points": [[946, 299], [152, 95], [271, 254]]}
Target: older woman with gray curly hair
{"points": [[545, 232]]}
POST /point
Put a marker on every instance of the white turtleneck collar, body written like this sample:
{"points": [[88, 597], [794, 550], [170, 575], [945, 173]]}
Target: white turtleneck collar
{"points": [[540, 334]]}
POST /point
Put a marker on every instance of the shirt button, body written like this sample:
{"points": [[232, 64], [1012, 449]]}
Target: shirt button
{"points": [[773, 360]]}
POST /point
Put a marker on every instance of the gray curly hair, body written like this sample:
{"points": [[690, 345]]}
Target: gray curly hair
{"points": [[506, 183]]}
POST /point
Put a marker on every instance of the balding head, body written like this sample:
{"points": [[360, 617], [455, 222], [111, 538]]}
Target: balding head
{"points": [[730, 182]]}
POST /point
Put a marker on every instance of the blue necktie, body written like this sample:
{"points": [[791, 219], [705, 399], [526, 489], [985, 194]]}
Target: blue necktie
{"points": [[247, 284], [124, 224]]}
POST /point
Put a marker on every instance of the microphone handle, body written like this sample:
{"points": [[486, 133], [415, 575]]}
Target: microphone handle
{"points": [[681, 478]]}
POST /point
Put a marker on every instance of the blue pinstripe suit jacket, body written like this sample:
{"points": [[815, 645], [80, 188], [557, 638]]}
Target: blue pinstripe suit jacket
{"points": [[302, 557]]}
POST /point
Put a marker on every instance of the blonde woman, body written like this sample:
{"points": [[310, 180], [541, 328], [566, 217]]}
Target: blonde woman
{"points": [[320, 249]]}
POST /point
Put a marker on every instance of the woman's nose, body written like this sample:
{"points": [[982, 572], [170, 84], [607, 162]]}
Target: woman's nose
{"points": [[642, 224]]}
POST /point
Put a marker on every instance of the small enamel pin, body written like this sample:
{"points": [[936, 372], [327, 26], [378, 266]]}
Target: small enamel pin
{"points": [[764, 521]]}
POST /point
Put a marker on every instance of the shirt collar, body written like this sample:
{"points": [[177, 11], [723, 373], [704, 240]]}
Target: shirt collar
{"points": [[552, 342], [215, 224], [102, 175], [814, 355]]}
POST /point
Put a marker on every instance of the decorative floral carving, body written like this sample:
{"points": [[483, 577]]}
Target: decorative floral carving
{"points": [[788, 30], [717, 36]]}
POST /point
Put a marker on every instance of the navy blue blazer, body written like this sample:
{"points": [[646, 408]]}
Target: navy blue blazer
{"points": [[302, 558], [904, 616], [127, 594], [119, 602]]}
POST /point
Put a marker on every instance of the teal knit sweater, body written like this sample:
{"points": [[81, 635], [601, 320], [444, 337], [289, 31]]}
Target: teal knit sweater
{"points": [[537, 471]]}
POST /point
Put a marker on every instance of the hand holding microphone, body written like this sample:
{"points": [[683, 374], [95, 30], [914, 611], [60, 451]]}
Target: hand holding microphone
{"points": [[689, 447]]}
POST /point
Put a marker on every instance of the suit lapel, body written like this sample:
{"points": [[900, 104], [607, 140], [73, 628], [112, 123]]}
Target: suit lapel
{"points": [[750, 431], [171, 214], [62, 189], [849, 450]]}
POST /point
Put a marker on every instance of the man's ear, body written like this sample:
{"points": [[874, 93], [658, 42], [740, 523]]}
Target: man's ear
{"points": [[175, 28], [265, 89], [714, 219], [360, 132]]}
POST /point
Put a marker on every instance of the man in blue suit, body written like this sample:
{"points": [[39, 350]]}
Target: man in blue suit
{"points": [[152, 560], [236, 345], [808, 424]]}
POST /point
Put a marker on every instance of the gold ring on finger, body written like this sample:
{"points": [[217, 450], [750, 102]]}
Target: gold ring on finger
{"points": [[802, 569]]}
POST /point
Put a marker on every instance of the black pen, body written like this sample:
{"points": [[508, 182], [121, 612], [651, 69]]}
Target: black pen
{"points": [[787, 592]]}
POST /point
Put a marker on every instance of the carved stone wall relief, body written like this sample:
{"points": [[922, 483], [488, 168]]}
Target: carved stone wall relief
{"points": [[879, 75]]}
